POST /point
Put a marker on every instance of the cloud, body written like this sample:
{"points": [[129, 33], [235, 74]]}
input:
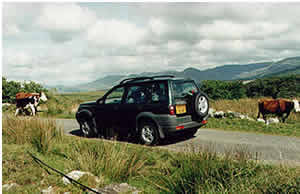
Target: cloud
{"points": [[113, 33], [71, 43], [62, 21], [157, 26], [16, 17]]}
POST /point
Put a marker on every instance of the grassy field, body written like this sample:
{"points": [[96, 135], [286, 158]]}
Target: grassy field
{"points": [[150, 170]]}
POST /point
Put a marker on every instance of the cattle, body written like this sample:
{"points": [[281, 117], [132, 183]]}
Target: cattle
{"points": [[279, 107], [29, 100]]}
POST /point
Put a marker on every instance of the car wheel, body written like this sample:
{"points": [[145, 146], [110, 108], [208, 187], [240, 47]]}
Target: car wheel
{"points": [[148, 134], [201, 105], [88, 128]]}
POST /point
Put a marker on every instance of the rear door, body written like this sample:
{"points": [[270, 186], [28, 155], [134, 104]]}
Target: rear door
{"points": [[183, 93]]}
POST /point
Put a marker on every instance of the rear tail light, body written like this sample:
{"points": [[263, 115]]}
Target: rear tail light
{"points": [[179, 127], [172, 110], [204, 122]]}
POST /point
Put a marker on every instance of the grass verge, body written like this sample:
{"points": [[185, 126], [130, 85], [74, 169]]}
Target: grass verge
{"points": [[234, 124], [151, 170], [248, 106]]}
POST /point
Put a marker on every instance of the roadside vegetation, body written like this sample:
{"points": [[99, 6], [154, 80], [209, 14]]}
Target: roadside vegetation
{"points": [[149, 169], [249, 107]]}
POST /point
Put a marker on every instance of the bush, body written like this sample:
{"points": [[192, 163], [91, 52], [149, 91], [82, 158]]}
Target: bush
{"points": [[216, 89]]}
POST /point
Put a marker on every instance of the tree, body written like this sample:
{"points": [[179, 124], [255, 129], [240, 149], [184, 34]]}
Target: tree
{"points": [[217, 89], [9, 90], [32, 87]]}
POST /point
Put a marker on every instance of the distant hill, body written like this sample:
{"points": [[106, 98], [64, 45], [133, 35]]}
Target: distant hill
{"points": [[288, 66], [283, 67]]}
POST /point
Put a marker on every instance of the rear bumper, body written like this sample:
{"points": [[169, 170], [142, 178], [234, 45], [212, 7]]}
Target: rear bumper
{"points": [[172, 123]]}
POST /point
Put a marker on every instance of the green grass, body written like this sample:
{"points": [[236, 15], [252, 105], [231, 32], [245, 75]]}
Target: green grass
{"points": [[290, 128], [149, 169]]}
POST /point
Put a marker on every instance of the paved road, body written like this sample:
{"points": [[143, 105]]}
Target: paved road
{"points": [[269, 148]]}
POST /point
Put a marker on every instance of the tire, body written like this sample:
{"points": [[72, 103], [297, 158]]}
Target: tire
{"points": [[148, 133], [88, 127], [201, 105]]}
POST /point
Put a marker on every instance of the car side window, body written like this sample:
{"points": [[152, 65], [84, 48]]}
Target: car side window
{"points": [[115, 97], [159, 92], [138, 95]]}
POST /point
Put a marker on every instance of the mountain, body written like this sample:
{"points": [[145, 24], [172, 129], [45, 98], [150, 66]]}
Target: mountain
{"points": [[283, 67], [226, 72], [63, 89]]}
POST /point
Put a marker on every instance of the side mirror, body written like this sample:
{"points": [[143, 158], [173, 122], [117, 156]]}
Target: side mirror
{"points": [[99, 101]]}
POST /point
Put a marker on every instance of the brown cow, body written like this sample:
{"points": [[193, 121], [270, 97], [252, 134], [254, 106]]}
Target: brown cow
{"points": [[279, 107]]}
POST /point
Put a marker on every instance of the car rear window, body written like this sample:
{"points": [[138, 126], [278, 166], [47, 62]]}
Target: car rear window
{"points": [[182, 88]]}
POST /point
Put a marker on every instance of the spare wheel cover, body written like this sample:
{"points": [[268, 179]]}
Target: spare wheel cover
{"points": [[201, 105]]}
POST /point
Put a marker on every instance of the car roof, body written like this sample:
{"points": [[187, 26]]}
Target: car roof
{"points": [[147, 79]]}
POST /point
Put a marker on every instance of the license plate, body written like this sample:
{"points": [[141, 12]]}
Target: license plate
{"points": [[180, 109]]}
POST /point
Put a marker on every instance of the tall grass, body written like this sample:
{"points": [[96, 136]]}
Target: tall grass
{"points": [[41, 133], [116, 160], [205, 172], [151, 170]]}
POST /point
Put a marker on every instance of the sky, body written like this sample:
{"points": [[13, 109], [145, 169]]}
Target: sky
{"points": [[72, 43]]}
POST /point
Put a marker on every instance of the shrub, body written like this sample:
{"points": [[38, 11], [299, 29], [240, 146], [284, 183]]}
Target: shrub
{"points": [[216, 89]]}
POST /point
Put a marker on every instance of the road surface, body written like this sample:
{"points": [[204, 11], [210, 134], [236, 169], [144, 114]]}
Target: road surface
{"points": [[268, 148]]}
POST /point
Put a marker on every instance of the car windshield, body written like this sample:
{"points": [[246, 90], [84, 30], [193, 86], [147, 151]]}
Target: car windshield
{"points": [[184, 88]]}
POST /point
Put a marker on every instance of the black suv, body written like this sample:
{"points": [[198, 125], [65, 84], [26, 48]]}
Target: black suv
{"points": [[146, 108]]}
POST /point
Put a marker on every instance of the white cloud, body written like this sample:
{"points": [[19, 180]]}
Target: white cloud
{"points": [[59, 19], [92, 40], [114, 33], [223, 30], [21, 58], [175, 46], [11, 30], [157, 26]]}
